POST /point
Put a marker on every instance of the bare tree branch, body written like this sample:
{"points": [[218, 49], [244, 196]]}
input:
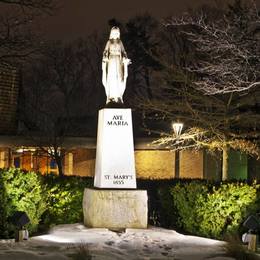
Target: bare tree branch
{"points": [[228, 50], [46, 6]]}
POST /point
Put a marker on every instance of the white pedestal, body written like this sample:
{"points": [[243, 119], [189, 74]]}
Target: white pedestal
{"points": [[115, 164], [115, 209]]}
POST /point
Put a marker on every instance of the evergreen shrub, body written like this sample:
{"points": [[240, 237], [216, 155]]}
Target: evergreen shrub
{"points": [[201, 207], [214, 210], [47, 199], [20, 191], [64, 199], [196, 207]]}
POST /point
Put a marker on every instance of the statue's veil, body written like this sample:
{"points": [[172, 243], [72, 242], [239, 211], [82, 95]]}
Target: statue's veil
{"points": [[114, 29]]}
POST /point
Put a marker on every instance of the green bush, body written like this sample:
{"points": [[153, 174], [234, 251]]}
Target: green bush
{"points": [[160, 201], [188, 199], [214, 210], [193, 206], [64, 199], [20, 191], [200, 207], [47, 200], [227, 206], [160, 210]]}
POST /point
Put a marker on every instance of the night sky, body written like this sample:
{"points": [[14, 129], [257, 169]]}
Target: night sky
{"points": [[79, 17]]}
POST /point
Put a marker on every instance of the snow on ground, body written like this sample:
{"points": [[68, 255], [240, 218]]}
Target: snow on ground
{"points": [[68, 241]]}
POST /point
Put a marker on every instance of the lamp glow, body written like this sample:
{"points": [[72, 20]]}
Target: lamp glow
{"points": [[25, 149], [177, 128]]}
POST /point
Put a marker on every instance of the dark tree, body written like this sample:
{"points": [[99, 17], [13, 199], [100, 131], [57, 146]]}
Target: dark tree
{"points": [[142, 41], [18, 40], [58, 87], [27, 5]]}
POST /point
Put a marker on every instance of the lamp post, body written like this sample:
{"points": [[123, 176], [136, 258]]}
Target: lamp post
{"points": [[177, 128]]}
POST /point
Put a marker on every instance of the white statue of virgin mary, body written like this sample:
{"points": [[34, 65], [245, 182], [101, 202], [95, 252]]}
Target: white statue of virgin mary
{"points": [[114, 67]]}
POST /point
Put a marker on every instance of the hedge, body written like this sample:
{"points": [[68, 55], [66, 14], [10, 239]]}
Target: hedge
{"points": [[20, 191], [48, 200], [214, 210], [196, 207], [65, 195], [203, 208]]}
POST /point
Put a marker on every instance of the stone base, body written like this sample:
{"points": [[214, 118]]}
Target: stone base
{"points": [[115, 209]]}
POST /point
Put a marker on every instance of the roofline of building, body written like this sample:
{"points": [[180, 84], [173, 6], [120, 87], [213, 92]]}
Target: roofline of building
{"points": [[7, 141]]}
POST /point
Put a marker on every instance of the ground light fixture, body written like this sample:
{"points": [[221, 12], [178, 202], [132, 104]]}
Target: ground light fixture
{"points": [[251, 237], [19, 220], [177, 128]]}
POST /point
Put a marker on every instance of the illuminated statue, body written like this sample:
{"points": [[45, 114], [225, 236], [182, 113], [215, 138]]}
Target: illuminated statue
{"points": [[114, 67]]}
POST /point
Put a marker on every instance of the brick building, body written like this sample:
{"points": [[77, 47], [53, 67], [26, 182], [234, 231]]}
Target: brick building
{"points": [[152, 161], [9, 88]]}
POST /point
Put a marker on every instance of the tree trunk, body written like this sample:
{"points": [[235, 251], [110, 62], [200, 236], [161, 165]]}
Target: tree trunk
{"points": [[58, 160], [225, 163], [60, 168]]}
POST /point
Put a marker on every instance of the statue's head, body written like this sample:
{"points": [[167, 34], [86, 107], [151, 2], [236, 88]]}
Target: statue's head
{"points": [[115, 33]]}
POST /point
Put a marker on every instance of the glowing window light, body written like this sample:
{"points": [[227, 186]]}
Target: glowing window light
{"points": [[177, 128]]}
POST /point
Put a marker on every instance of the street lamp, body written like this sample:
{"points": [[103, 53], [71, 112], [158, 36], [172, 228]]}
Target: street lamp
{"points": [[177, 128]]}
